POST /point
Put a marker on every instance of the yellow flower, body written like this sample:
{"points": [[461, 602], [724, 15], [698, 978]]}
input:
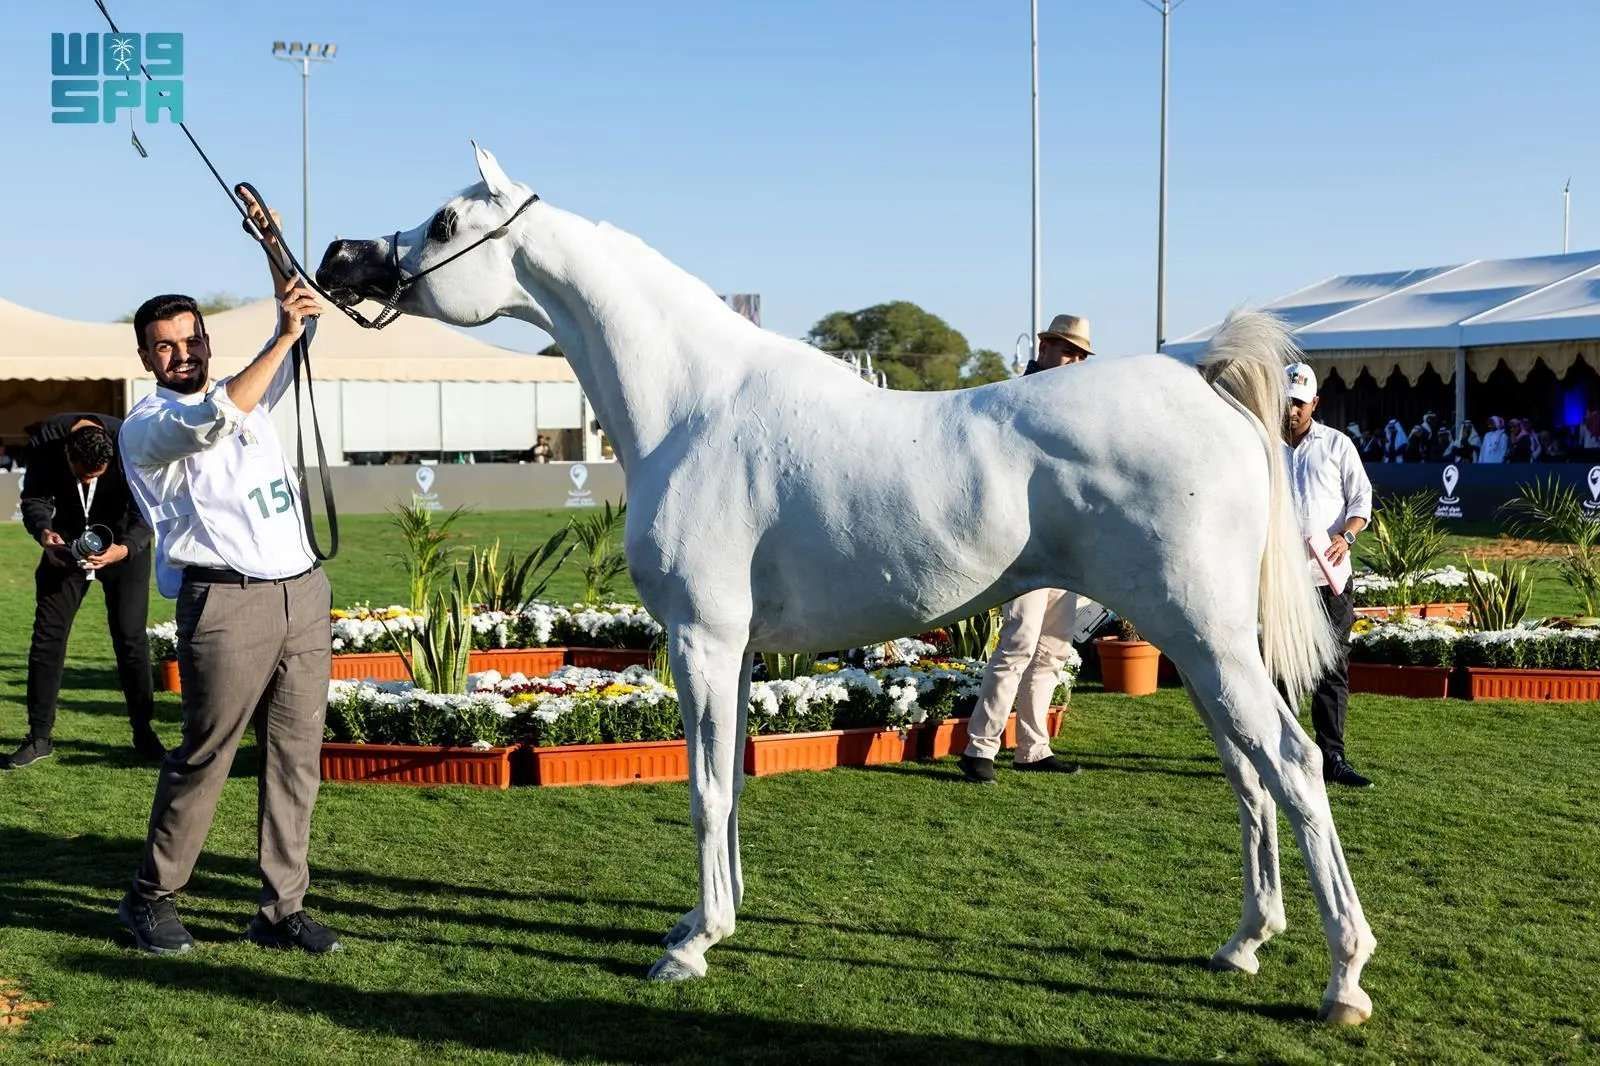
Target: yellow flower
{"points": [[1362, 625], [827, 668], [339, 614], [619, 689]]}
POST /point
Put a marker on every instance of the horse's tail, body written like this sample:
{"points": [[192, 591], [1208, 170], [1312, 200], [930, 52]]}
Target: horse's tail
{"points": [[1244, 363]]}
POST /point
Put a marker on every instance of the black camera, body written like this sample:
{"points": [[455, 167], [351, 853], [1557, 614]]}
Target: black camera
{"points": [[92, 541]]}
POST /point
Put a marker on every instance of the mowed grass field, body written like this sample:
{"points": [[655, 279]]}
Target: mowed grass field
{"points": [[893, 914]]}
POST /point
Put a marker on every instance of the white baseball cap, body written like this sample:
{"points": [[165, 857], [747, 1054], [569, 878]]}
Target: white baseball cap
{"points": [[1302, 382]]}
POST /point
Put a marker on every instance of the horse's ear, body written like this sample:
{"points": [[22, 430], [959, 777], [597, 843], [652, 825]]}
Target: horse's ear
{"points": [[489, 169]]}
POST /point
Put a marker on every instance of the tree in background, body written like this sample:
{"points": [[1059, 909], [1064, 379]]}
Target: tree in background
{"points": [[915, 349], [209, 304]]}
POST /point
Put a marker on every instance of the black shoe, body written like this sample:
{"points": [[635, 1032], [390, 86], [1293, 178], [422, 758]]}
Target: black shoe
{"points": [[32, 750], [147, 745], [154, 924], [299, 930], [1339, 772], [1048, 765], [978, 771]]}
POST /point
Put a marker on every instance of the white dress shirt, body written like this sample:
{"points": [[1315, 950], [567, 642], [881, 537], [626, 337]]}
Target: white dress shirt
{"points": [[1330, 485], [213, 483]]}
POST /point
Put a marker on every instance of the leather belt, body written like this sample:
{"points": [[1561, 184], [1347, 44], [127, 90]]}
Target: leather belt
{"points": [[222, 576]]}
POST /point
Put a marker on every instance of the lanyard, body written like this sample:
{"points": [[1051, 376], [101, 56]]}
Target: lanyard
{"points": [[87, 497]]}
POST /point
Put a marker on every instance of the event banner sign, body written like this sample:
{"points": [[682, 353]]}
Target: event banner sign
{"points": [[1475, 492]]}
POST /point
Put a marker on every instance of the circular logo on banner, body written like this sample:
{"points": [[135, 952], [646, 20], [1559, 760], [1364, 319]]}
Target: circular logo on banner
{"points": [[1449, 503], [578, 496], [425, 497]]}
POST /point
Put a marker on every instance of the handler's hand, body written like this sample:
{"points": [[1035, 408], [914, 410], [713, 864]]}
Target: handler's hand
{"points": [[294, 307], [112, 555], [1337, 550], [55, 549], [269, 243]]}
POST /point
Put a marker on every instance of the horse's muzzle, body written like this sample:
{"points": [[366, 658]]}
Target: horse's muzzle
{"points": [[355, 270]]}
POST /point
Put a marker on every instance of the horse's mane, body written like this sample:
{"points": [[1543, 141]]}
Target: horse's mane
{"points": [[672, 287]]}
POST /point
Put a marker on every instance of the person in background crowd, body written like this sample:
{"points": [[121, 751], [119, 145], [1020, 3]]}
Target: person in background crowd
{"points": [[1549, 447], [1442, 448], [1417, 445], [1394, 442], [1520, 448], [1370, 447], [541, 450], [1588, 436], [1467, 442], [1353, 431], [1332, 493], [1496, 442]]}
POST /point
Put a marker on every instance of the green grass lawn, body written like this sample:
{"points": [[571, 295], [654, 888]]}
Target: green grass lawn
{"points": [[892, 914]]}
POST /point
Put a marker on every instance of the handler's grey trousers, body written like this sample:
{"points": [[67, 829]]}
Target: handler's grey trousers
{"points": [[253, 654], [1035, 637]]}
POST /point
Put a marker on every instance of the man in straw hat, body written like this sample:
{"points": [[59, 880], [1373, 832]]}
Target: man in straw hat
{"points": [[1035, 630]]}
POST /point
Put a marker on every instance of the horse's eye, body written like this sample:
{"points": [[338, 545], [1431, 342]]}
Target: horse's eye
{"points": [[443, 226]]}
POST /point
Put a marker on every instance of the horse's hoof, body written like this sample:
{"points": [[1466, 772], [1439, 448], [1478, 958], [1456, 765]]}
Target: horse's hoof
{"points": [[670, 967], [1225, 961], [1344, 1013]]}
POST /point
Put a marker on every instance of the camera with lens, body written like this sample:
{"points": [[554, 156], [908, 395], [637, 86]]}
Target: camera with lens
{"points": [[92, 541]]}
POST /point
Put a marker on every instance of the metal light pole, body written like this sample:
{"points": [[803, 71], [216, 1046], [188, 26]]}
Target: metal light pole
{"points": [[1566, 214], [304, 54], [1165, 9], [1033, 335]]}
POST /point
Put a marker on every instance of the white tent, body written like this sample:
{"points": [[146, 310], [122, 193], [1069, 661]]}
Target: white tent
{"points": [[416, 386], [1469, 317]]}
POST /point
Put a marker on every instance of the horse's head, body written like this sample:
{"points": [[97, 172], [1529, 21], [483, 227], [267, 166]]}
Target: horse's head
{"points": [[468, 291]]}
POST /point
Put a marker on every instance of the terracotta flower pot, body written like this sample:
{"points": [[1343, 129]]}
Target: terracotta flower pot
{"points": [[1418, 682], [610, 764], [1128, 666], [166, 676], [401, 764]]}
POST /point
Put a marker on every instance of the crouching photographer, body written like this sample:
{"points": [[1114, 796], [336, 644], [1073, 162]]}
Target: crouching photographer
{"points": [[76, 505]]}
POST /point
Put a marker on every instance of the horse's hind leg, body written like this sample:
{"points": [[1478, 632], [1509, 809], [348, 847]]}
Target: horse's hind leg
{"points": [[1232, 683], [1258, 831]]}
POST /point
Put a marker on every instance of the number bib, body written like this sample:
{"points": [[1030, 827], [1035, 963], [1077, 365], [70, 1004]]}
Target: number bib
{"points": [[245, 496]]}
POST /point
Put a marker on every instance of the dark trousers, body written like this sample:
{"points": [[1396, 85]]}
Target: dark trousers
{"points": [[59, 592], [1331, 698]]}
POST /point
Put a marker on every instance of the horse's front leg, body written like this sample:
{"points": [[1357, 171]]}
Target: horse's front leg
{"points": [[711, 683]]}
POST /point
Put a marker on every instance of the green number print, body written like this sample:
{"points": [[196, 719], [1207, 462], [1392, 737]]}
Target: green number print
{"points": [[280, 496]]}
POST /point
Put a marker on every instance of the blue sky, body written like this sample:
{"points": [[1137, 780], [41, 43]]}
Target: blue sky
{"points": [[833, 155]]}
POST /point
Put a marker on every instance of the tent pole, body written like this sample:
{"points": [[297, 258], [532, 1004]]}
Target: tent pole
{"points": [[1461, 388]]}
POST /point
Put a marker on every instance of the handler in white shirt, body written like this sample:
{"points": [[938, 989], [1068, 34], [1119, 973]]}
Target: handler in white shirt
{"points": [[1334, 499], [209, 474]]}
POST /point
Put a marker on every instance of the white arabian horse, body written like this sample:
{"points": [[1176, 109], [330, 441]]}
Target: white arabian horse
{"points": [[778, 502]]}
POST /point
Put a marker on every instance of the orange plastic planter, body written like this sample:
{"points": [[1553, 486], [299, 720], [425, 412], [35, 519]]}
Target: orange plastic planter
{"points": [[530, 662], [390, 666], [1128, 666], [399, 764], [166, 678], [610, 764], [785, 752], [1447, 612], [607, 658], [1543, 686], [1418, 682]]}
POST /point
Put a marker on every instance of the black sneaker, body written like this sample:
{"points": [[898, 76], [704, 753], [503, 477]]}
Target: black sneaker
{"points": [[147, 745], [978, 771], [1340, 772], [32, 750], [1047, 765], [299, 930], [154, 924]]}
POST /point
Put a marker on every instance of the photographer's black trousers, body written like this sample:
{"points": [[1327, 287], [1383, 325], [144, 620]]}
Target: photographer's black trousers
{"points": [[59, 593], [1331, 698]]}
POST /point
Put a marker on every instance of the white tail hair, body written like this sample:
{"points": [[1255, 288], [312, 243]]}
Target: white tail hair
{"points": [[1245, 363]]}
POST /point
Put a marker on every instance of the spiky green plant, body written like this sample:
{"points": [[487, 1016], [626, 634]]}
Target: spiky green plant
{"points": [[975, 637], [603, 561], [1406, 540], [786, 666], [425, 549], [1548, 510], [440, 647], [1499, 601], [505, 588]]}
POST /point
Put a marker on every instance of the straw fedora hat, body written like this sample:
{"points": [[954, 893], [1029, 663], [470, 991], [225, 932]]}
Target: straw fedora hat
{"points": [[1072, 329]]}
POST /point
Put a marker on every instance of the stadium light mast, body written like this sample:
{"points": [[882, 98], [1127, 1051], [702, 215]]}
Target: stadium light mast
{"points": [[1566, 214], [305, 54], [1164, 8], [1033, 38]]}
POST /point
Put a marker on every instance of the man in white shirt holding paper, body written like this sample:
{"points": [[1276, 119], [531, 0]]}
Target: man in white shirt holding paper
{"points": [[1333, 499], [206, 467]]}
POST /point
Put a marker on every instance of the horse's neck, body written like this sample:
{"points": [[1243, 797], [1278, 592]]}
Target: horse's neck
{"points": [[626, 340]]}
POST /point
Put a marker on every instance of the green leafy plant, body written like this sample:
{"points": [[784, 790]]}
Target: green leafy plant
{"points": [[1501, 601], [1126, 632], [974, 638], [425, 549], [1548, 510], [497, 587], [440, 646], [1406, 540], [786, 666], [603, 561]]}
